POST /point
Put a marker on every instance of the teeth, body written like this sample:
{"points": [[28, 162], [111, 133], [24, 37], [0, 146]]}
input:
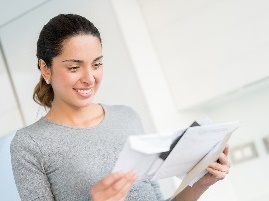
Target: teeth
{"points": [[82, 91]]}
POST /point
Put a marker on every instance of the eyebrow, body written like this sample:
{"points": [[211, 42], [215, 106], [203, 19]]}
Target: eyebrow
{"points": [[81, 61]]}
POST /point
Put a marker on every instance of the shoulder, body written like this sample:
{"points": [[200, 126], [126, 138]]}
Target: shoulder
{"points": [[124, 115], [24, 137], [121, 110]]}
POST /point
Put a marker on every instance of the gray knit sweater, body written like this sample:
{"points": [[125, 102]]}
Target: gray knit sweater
{"points": [[57, 162]]}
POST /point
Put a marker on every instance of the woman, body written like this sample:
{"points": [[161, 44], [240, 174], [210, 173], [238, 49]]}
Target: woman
{"points": [[70, 152]]}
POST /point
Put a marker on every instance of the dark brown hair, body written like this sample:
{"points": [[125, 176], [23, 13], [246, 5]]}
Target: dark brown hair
{"points": [[50, 44]]}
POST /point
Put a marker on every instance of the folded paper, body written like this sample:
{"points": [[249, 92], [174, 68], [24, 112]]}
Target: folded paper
{"points": [[185, 153]]}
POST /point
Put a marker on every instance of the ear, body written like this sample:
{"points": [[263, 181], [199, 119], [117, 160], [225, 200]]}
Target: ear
{"points": [[45, 70]]}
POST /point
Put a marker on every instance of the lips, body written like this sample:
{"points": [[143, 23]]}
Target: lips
{"points": [[84, 92]]}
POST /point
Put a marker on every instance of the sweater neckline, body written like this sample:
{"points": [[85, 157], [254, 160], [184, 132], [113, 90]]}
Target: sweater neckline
{"points": [[80, 128]]}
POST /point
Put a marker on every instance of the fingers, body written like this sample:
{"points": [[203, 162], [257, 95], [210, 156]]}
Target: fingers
{"points": [[217, 174], [121, 195], [114, 187], [226, 150], [108, 181], [223, 160], [120, 185], [221, 168], [223, 164]]}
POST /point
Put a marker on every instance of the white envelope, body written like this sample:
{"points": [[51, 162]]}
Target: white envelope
{"points": [[197, 148], [140, 152]]}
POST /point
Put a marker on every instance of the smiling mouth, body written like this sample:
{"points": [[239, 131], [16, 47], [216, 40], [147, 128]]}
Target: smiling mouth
{"points": [[83, 91]]}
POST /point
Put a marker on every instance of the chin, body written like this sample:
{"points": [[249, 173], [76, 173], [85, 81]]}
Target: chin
{"points": [[81, 104]]}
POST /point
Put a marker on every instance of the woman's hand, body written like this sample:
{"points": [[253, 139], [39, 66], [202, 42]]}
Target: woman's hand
{"points": [[217, 170], [113, 187]]}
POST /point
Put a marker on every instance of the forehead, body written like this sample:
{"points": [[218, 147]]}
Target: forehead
{"points": [[81, 47]]}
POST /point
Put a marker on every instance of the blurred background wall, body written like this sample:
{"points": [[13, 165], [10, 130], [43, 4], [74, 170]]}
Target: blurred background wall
{"points": [[173, 61]]}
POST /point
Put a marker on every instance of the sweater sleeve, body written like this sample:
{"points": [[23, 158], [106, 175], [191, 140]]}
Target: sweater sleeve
{"points": [[157, 190], [29, 174]]}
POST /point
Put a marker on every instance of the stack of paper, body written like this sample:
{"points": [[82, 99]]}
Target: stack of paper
{"points": [[185, 153]]}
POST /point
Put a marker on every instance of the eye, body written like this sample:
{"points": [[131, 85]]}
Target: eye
{"points": [[97, 65], [73, 68]]}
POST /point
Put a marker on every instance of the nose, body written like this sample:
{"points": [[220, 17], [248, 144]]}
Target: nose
{"points": [[88, 77]]}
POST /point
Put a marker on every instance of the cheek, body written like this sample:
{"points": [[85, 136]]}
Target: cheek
{"points": [[99, 76], [65, 79]]}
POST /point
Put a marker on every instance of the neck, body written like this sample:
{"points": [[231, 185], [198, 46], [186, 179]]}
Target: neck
{"points": [[77, 117]]}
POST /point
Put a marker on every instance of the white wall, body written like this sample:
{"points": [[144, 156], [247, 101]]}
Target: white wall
{"points": [[209, 48], [9, 114], [214, 57], [12, 9], [251, 107]]}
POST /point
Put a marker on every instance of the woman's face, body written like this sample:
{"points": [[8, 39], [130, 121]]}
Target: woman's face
{"points": [[77, 71]]}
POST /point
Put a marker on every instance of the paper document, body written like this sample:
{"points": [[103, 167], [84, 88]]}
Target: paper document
{"points": [[185, 153]]}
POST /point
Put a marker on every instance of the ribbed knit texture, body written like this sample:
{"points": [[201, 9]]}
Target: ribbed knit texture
{"points": [[57, 162]]}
